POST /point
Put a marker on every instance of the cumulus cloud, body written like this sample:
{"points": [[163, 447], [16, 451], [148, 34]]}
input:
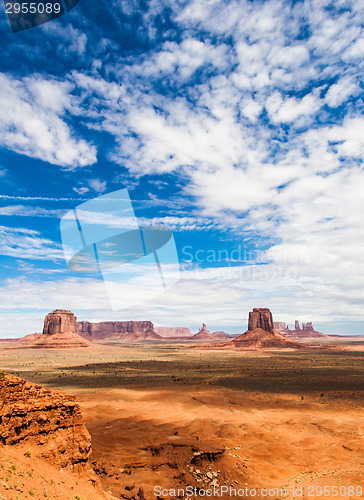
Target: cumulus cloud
{"points": [[32, 122], [97, 185], [257, 106]]}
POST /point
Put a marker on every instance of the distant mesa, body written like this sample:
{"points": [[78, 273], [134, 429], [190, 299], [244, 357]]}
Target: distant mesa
{"points": [[223, 335], [261, 333], [117, 331], [307, 331], [59, 332], [179, 332], [203, 334], [60, 321]]}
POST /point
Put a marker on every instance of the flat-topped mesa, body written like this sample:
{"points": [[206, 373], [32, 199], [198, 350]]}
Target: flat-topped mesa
{"points": [[260, 318], [59, 332], [297, 326], [60, 321], [170, 332], [117, 330]]}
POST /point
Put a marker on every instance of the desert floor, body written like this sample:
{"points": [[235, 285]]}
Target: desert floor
{"points": [[165, 415]]}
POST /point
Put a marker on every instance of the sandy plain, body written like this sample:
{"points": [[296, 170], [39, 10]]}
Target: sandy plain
{"points": [[165, 415]]}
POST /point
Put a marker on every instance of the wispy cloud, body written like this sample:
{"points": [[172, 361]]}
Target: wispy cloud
{"points": [[25, 243]]}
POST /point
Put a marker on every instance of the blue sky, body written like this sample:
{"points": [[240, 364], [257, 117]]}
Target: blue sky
{"points": [[236, 124]]}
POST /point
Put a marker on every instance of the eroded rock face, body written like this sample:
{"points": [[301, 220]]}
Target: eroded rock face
{"points": [[260, 318], [124, 330], [59, 321], [59, 332], [307, 326], [167, 332], [49, 420], [261, 334], [280, 325], [203, 334], [307, 330]]}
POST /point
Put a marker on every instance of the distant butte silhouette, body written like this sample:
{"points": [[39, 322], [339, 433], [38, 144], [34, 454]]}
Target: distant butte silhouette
{"points": [[203, 334]]}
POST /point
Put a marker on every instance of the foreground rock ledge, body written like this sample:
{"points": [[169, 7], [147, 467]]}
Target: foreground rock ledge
{"points": [[30, 413], [44, 444]]}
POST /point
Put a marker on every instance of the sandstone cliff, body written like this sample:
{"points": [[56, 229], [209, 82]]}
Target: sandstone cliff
{"points": [[223, 335], [307, 330], [177, 332], [261, 334], [59, 332], [34, 414], [203, 334], [260, 318], [117, 330], [42, 434]]}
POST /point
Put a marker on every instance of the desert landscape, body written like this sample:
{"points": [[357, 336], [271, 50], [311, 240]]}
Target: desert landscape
{"points": [[261, 413]]}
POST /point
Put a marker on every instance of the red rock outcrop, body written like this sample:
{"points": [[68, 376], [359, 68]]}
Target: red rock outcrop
{"points": [[280, 327], [177, 332], [260, 318], [59, 321], [59, 332], [203, 334], [260, 333], [47, 419], [223, 335], [307, 330], [117, 330]]}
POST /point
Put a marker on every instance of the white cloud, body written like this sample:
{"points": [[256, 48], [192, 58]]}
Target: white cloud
{"points": [[32, 122], [81, 190], [28, 211], [230, 118], [25, 243], [341, 91], [97, 185], [291, 109]]}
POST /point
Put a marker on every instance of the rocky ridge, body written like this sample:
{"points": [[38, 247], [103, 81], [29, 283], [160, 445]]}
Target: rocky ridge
{"points": [[117, 330], [44, 445], [30, 413], [307, 330]]}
